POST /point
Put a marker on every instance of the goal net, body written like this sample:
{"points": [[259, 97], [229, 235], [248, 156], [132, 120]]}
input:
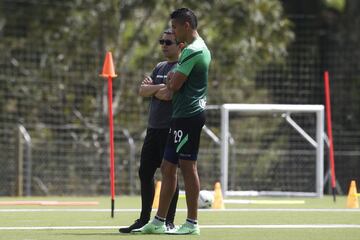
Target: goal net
{"points": [[272, 149]]}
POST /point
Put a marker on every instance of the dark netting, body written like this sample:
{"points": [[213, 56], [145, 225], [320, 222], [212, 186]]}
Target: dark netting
{"points": [[58, 98]]}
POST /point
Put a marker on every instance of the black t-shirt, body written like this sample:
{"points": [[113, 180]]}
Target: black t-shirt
{"points": [[160, 111]]}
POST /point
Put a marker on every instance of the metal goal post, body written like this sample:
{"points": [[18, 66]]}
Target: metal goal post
{"points": [[286, 110]]}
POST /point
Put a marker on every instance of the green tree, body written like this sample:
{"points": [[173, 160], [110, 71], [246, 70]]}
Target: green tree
{"points": [[52, 53]]}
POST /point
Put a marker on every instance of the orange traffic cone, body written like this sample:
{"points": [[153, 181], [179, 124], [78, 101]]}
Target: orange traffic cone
{"points": [[157, 195], [108, 67], [352, 199], [218, 197]]}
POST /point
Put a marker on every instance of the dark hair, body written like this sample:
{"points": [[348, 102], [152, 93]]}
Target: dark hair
{"points": [[185, 15], [170, 32]]}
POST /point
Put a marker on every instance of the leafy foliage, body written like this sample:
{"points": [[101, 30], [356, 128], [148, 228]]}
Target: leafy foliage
{"points": [[52, 53], [67, 40]]}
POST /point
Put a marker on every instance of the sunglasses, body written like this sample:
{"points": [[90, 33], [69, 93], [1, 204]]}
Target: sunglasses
{"points": [[167, 42]]}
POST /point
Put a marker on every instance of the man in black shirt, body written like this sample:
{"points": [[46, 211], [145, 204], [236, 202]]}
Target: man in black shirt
{"points": [[160, 111]]}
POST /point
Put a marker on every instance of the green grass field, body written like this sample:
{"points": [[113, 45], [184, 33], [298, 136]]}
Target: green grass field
{"points": [[316, 219]]}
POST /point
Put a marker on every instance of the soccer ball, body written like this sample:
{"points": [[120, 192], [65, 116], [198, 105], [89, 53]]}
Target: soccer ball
{"points": [[206, 198]]}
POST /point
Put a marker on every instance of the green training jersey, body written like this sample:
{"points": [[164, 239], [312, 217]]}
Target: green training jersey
{"points": [[194, 62]]}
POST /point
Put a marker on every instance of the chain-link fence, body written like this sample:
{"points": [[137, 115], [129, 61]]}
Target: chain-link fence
{"points": [[64, 114]]}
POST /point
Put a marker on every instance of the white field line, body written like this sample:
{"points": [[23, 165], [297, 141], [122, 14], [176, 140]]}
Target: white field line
{"points": [[183, 210], [279, 202], [287, 226]]}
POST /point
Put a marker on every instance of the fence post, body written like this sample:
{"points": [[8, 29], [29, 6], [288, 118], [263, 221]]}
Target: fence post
{"points": [[24, 135]]}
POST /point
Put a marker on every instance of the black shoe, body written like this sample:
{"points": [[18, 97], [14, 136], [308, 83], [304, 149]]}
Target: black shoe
{"points": [[137, 224], [170, 226]]}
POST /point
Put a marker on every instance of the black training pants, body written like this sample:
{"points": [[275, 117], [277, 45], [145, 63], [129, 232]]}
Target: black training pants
{"points": [[151, 157]]}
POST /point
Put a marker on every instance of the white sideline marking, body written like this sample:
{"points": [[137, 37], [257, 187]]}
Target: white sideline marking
{"points": [[281, 202], [184, 210], [288, 226]]}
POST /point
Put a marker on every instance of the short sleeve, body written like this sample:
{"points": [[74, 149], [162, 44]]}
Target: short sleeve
{"points": [[188, 60], [154, 71]]}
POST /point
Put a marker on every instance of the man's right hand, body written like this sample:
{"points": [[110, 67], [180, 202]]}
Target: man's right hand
{"points": [[164, 94], [147, 81], [148, 89]]}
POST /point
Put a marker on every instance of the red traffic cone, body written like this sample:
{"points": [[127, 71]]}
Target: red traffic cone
{"points": [[108, 68]]}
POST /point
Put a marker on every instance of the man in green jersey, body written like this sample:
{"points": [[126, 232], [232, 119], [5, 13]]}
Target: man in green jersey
{"points": [[188, 81]]}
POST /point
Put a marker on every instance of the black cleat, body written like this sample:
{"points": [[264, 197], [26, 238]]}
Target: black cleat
{"points": [[137, 224]]}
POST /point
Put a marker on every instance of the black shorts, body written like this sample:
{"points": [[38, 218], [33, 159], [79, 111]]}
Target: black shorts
{"points": [[152, 151], [184, 138]]}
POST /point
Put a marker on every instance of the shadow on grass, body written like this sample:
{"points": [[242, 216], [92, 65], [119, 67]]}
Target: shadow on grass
{"points": [[99, 234]]}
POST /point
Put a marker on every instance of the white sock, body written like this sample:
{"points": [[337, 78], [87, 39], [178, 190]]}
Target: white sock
{"points": [[158, 220], [192, 222]]}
